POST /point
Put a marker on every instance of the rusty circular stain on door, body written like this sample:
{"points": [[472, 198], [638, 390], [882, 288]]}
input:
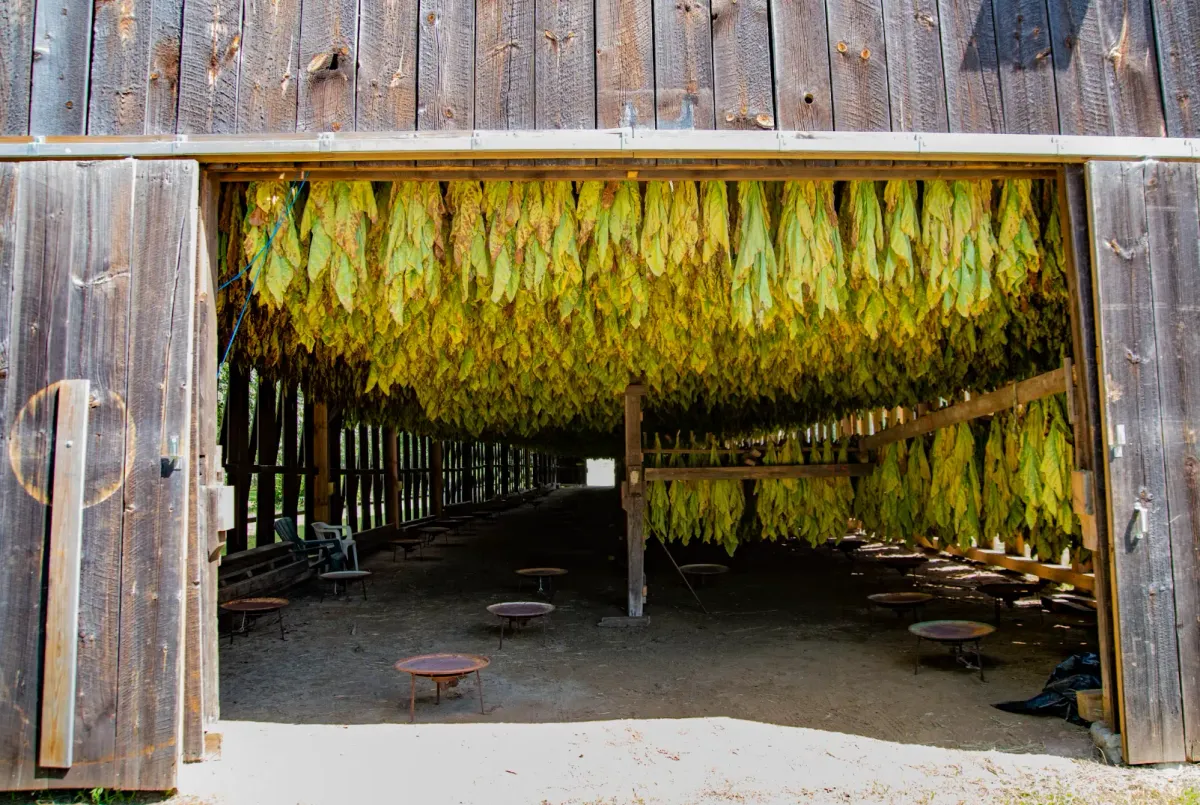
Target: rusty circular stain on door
{"points": [[108, 464]]}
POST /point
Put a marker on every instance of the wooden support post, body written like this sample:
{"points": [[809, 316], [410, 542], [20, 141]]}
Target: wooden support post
{"points": [[391, 490], [337, 493], [268, 454], [377, 480], [237, 426], [437, 477], [319, 490], [489, 470], [1089, 444], [634, 500], [292, 460], [366, 481], [351, 479]]}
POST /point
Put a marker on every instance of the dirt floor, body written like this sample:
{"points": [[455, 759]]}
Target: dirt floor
{"points": [[791, 642], [790, 691]]}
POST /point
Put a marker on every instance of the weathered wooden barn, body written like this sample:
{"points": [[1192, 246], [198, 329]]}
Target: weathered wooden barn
{"points": [[122, 120]]}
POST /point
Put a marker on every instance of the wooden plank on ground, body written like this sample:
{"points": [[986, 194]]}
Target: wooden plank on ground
{"points": [[1176, 32], [1026, 63], [1173, 216], [1057, 573], [916, 81], [1044, 385], [387, 66], [16, 41], [269, 69], [55, 88], [1152, 724], [565, 58], [57, 724], [624, 64], [741, 48], [36, 222], [154, 539], [858, 65], [1106, 75], [208, 69], [328, 65], [96, 350], [446, 65], [803, 96], [683, 64], [972, 76]]}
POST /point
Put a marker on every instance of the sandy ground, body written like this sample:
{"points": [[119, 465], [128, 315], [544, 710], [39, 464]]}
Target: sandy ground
{"points": [[789, 692]]}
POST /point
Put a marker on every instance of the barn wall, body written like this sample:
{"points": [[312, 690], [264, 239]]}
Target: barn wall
{"points": [[1097, 67]]}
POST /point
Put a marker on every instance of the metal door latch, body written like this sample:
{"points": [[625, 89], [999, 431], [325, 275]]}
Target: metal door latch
{"points": [[169, 463], [1118, 448], [1142, 514]]}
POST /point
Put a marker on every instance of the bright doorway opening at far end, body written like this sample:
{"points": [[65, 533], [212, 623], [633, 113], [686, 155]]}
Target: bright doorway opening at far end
{"points": [[601, 472]]}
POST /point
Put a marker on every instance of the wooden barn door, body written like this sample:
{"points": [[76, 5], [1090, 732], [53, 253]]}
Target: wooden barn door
{"points": [[97, 265], [1145, 233]]}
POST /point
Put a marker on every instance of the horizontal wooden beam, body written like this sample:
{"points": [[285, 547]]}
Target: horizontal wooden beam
{"points": [[757, 473], [1009, 396], [1059, 573], [607, 143], [726, 170]]}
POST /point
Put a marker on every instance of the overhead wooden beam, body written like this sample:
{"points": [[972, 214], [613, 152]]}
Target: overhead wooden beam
{"points": [[1001, 399], [607, 143], [757, 472]]}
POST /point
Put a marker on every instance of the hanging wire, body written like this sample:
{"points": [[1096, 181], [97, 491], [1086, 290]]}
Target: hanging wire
{"points": [[295, 187]]}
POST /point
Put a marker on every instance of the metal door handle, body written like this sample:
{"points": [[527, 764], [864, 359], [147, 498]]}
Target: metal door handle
{"points": [[1143, 521]]}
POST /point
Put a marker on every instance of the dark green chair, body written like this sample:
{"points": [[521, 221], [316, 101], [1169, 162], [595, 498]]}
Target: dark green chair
{"points": [[322, 554]]}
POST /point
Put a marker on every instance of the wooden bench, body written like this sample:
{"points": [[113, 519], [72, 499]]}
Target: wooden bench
{"points": [[260, 571]]}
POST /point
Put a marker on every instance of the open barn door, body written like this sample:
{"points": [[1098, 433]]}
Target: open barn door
{"points": [[1145, 241], [97, 266]]}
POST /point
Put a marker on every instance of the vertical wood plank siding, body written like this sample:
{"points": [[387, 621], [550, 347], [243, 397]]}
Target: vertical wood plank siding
{"points": [[1152, 726], [858, 65], [741, 44], [565, 58], [1173, 214], [446, 65], [208, 74], [624, 64], [803, 96], [56, 88], [683, 64], [387, 66], [916, 83], [1119, 67], [269, 69], [327, 66], [1026, 64], [971, 64]]}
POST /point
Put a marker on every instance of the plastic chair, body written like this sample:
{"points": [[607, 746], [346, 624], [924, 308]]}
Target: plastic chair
{"points": [[342, 535], [321, 553]]}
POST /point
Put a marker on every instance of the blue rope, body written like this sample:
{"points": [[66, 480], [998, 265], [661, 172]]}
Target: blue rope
{"points": [[296, 188]]}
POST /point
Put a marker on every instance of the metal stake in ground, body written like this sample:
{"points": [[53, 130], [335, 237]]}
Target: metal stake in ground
{"points": [[683, 576]]}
